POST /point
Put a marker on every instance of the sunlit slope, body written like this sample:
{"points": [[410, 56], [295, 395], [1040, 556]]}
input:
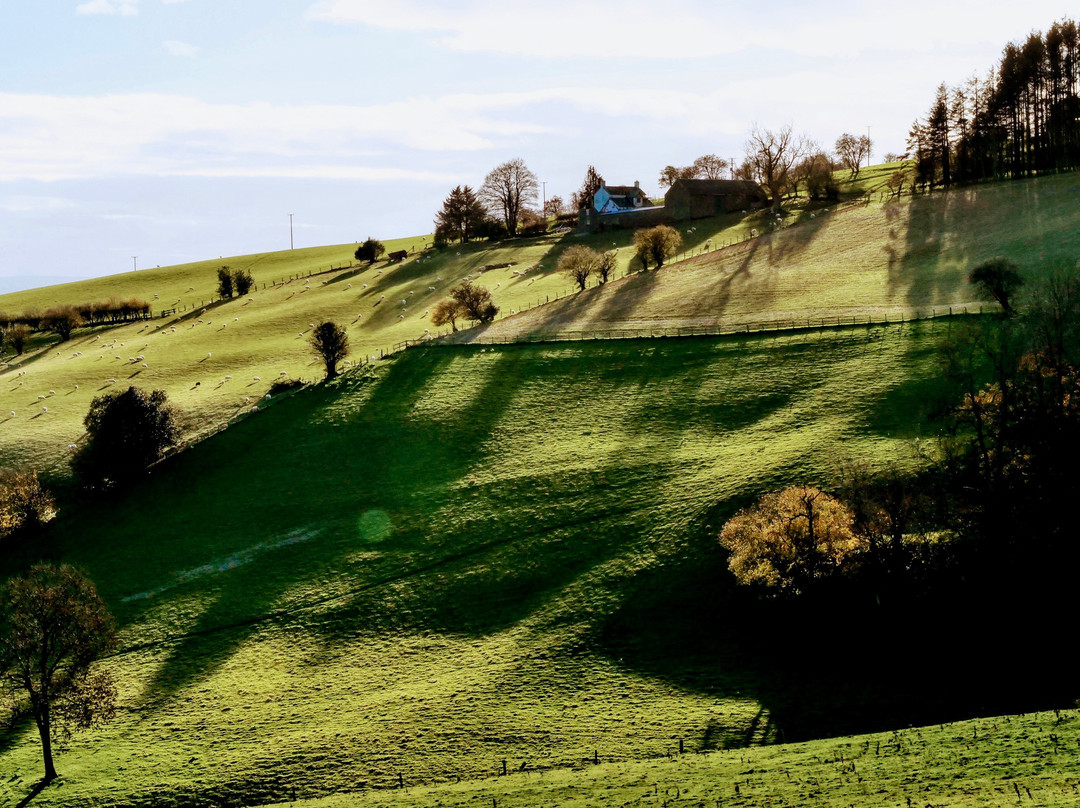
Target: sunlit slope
{"points": [[912, 254], [1004, 760], [216, 363], [478, 556]]}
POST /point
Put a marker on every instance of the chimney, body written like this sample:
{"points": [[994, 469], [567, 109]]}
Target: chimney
{"points": [[637, 184]]}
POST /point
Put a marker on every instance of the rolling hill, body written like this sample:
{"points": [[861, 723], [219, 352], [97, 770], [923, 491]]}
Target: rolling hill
{"points": [[467, 555]]}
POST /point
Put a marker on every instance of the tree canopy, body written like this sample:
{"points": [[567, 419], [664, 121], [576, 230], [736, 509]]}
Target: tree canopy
{"points": [[126, 432], [655, 244], [370, 250], [331, 345], [53, 626], [790, 539], [462, 215]]}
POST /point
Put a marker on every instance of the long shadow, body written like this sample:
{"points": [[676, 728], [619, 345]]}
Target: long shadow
{"points": [[37, 789], [409, 497]]}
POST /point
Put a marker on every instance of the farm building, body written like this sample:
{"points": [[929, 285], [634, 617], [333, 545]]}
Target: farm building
{"points": [[696, 199], [619, 198]]}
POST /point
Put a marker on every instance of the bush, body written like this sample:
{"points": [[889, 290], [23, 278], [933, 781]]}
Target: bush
{"points": [[284, 385], [370, 250], [24, 502], [656, 244], [474, 302], [61, 320]]}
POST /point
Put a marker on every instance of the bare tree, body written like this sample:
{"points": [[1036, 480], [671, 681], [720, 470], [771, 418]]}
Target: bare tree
{"points": [[507, 189], [771, 157], [669, 175], [710, 167], [852, 150]]}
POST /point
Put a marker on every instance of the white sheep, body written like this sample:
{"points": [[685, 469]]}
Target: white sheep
{"points": [[44, 409], [208, 354], [13, 413], [236, 319], [52, 392], [228, 378], [144, 364], [41, 398], [256, 378], [365, 286]]}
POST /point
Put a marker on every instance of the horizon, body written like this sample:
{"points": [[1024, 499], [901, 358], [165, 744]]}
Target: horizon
{"points": [[158, 132]]}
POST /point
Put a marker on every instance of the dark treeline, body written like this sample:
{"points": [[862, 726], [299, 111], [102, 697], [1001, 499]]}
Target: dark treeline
{"points": [[1022, 119]]}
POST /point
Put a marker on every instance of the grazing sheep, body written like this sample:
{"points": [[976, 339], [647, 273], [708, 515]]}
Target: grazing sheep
{"points": [[256, 378], [228, 378], [282, 373], [13, 413], [41, 398], [44, 409], [111, 381], [76, 387], [52, 392], [236, 319], [365, 286], [208, 354], [144, 364]]}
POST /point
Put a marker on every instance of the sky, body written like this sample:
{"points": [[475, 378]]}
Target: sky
{"points": [[141, 133]]}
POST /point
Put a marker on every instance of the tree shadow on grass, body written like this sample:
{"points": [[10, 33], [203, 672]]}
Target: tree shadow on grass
{"points": [[832, 666], [377, 476]]}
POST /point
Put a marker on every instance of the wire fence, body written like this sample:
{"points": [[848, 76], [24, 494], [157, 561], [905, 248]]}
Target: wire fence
{"points": [[896, 316]]}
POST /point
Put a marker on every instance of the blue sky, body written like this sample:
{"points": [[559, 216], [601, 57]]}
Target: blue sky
{"points": [[178, 130]]}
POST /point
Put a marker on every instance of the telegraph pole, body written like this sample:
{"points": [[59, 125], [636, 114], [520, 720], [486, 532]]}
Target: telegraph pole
{"points": [[134, 263], [543, 210], [290, 232]]}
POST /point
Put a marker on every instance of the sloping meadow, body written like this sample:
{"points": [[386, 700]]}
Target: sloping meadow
{"points": [[437, 571]]}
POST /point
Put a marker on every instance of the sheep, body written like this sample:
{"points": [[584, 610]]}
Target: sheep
{"points": [[13, 413], [76, 387], [267, 396], [401, 316], [144, 364], [753, 233], [236, 319], [191, 288], [111, 381], [44, 409], [116, 357], [251, 300], [208, 354], [431, 288], [404, 302], [365, 286], [72, 447], [256, 378], [52, 392], [41, 398], [282, 373], [228, 378]]}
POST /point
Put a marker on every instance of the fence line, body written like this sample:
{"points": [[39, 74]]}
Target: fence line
{"points": [[771, 326]]}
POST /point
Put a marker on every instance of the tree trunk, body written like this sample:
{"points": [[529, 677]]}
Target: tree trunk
{"points": [[41, 717]]}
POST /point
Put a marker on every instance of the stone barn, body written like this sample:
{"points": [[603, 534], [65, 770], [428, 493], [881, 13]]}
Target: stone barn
{"points": [[696, 199]]}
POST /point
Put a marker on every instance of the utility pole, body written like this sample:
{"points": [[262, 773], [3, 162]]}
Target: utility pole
{"points": [[731, 165], [134, 263], [543, 210], [290, 232]]}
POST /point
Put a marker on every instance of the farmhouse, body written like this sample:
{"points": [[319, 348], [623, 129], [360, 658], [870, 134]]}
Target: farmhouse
{"points": [[619, 198], [696, 199]]}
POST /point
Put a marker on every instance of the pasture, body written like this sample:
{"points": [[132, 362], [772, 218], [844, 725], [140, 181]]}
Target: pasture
{"points": [[483, 555]]}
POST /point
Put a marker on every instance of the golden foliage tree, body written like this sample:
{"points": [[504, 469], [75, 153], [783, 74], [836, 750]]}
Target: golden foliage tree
{"points": [[24, 502], [790, 539], [655, 244]]}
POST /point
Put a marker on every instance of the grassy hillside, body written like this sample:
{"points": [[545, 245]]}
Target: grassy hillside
{"points": [[1008, 760], [488, 555], [909, 254]]}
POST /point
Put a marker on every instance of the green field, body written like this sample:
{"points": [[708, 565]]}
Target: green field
{"points": [[911, 254], [1006, 760], [475, 556]]}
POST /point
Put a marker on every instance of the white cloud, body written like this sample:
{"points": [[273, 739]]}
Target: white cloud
{"points": [[678, 29], [176, 48], [123, 8], [34, 204], [55, 137]]}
